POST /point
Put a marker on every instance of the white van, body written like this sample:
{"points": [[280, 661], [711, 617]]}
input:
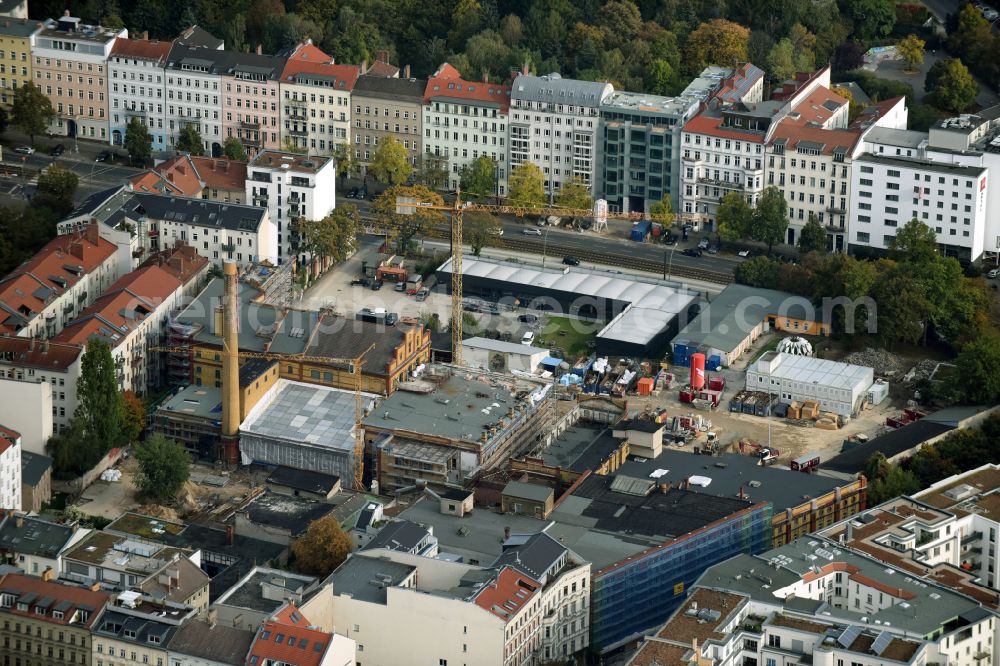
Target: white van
{"points": [[528, 338]]}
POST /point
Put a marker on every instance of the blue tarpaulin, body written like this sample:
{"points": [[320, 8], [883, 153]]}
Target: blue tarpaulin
{"points": [[550, 362]]}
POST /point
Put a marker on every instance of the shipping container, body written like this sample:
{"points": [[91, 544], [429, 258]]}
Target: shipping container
{"points": [[640, 231], [714, 362], [805, 463]]}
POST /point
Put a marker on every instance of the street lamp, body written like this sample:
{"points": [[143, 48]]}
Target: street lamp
{"points": [[667, 268], [545, 242]]}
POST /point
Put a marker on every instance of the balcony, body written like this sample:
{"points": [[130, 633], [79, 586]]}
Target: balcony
{"points": [[260, 199], [835, 210], [136, 112], [228, 247], [291, 101], [294, 197], [294, 131], [247, 124], [972, 536]]}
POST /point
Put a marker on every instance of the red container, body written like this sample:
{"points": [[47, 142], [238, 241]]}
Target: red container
{"points": [[697, 371], [717, 383], [687, 396]]}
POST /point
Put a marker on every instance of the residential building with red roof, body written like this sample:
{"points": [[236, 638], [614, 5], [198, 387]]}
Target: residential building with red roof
{"points": [[316, 100], [722, 147], [214, 178], [130, 316], [41, 295], [288, 638], [10, 469], [37, 388], [250, 103], [809, 158], [137, 88], [464, 120], [42, 617], [382, 68]]}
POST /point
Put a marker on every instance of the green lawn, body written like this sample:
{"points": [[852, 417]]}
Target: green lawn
{"points": [[570, 335]]}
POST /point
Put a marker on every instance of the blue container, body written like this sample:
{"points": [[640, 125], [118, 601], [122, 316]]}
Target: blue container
{"points": [[641, 230], [735, 405], [714, 362]]}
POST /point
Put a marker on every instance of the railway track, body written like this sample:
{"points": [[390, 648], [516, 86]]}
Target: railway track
{"points": [[620, 261]]}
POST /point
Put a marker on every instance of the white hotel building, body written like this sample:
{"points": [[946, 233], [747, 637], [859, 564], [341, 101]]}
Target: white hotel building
{"points": [[555, 124]]}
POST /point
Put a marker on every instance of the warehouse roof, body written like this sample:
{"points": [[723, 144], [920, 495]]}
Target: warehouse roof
{"points": [[304, 413], [809, 370], [650, 303], [728, 319], [732, 473], [890, 444], [528, 491], [304, 479], [459, 409]]}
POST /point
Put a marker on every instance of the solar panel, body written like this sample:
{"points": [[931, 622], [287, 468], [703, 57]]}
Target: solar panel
{"points": [[849, 636], [881, 642]]}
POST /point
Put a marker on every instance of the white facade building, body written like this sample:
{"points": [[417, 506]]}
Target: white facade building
{"points": [[464, 120], [193, 92], [316, 100], [887, 192], [10, 469], [291, 186], [555, 124], [137, 88], [27, 405], [813, 602], [37, 412], [837, 387]]}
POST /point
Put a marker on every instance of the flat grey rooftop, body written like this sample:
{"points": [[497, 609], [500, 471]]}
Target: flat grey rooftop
{"points": [[580, 447], [783, 488], [459, 409], [501, 346], [298, 412], [248, 593], [929, 608], [926, 165], [33, 537], [528, 491], [359, 575], [196, 401], [896, 137]]}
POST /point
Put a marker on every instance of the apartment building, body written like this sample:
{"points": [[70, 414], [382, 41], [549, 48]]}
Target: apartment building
{"points": [[194, 93], [35, 545], [291, 186], [38, 411], [14, 9], [274, 640], [316, 100], [384, 107], [10, 469], [810, 157], [48, 290], [640, 140], [813, 602], [70, 62], [47, 623], [136, 628], [887, 192], [250, 106], [464, 120], [15, 56], [441, 611], [131, 315], [137, 88], [554, 123]]}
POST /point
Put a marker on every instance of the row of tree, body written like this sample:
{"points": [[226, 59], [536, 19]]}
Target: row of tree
{"points": [[917, 293], [959, 452]]}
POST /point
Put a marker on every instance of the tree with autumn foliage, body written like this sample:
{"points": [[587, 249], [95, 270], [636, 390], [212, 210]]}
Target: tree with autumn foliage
{"points": [[717, 42], [323, 547], [133, 416]]}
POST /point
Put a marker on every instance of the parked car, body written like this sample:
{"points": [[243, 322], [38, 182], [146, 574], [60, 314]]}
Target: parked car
{"points": [[400, 286], [744, 252], [353, 193], [470, 307], [528, 338], [691, 252], [531, 231], [571, 261], [24, 150], [57, 150], [527, 319], [993, 274], [359, 282], [703, 244], [376, 285], [422, 294], [103, 156], [713, 249]]}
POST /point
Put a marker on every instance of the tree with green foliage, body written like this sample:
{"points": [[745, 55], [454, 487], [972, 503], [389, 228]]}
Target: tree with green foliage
{"points": [[391, 163], [343, 158], [32, 111], [432, 171], [55, 190], [99, 403], [478, 229], [734, 218], [323, 547], [662, 212], [903, 308], [896, 483], [138, 142], [872, 18], [978, 371], [526, 186], [189, 140], [233, 149], [761, 272], [812, 238], [403, 227], [914, 243], [163, 467], [479, 178], [770, 218], [574, 194], [70, 454], [333, 237], [911, 48], [950, 85]]}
